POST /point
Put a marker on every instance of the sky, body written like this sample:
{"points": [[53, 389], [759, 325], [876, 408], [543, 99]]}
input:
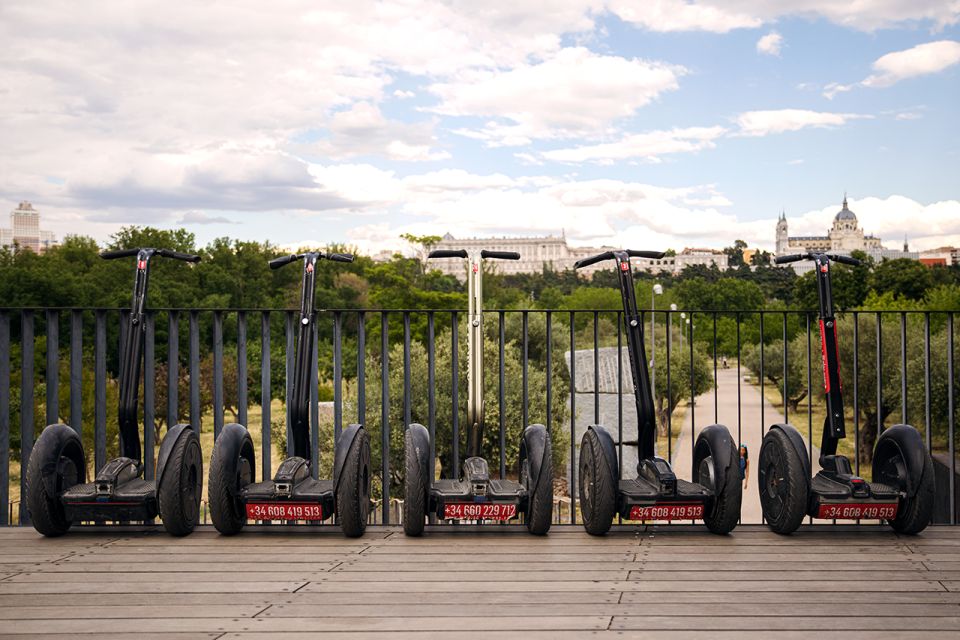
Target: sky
{"points": [[650, 124]]}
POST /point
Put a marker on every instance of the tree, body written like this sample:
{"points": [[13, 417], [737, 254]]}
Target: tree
{"points": [[735, 254], [682, 385], [904, 277], [773, 355], [727, 294]]}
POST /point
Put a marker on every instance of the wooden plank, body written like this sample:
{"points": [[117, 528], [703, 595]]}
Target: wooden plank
{"points": [[761, 598], [779, 623], [160, 577], [535, 564], [123, 610], [461, 577], [285, 569], [576, 635], [795, 575], [211, 555], [84, 599], [105, 635], [274, 625], [145, 586]]}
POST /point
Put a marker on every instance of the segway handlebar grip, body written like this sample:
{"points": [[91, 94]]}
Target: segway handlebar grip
{"points": [[176, 255], [499, 255], [447, 253], [853, 262], [586, 262], [118, 253], [797, 257], [339, 257], [652, 255], [276, 263]]}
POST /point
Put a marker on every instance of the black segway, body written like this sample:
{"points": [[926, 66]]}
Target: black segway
{"points": [[476, 496], [903, 484], [57, 493], [292, 494], [656, 493]]}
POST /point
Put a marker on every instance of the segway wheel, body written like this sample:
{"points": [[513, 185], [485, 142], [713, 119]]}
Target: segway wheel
{"points": [[540, 498], [414, 489], [783, 493], [723, 517], [227, 478], [181, 486], [46, 510], [353, 492], [914, 513], [598, 498]]}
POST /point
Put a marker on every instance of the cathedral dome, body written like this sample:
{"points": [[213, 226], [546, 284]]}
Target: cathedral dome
{"points": [[845, 213]]}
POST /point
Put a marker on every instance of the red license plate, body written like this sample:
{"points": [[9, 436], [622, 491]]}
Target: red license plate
{"points": [[683, 511], [284, 511], [858, 511], [479, 511]]}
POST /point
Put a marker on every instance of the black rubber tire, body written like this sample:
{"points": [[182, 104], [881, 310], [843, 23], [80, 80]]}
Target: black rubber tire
{"points": [[725, 514], [598, 497], [353, 491], [539, 514], [781, 483], [181, 487], [914, 514], [414, 489], [223, 487], [46, 511]]}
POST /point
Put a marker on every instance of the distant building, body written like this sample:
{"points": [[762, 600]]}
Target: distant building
{"points": [[689, 257], [25, 231], [946, 256], [844, 237]]}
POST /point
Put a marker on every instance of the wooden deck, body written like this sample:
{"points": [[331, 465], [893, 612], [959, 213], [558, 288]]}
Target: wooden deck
{"points": [[299, 583]]}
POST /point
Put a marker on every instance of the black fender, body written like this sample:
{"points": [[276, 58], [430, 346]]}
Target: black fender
{"points": [[166, 447], [799, 446], [712, 441], [342, 449], [64, 442], [533, 448], [609, 453], [905, 440]]}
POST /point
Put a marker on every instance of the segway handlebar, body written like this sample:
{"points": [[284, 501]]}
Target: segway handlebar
{"points": [[608, 255], [484, 253], [797, 257], [164, 253], [447, 253], [499, 255], [276, 263]]}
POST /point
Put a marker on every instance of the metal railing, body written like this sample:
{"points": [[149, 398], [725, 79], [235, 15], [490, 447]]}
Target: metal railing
{"points": [[898, 367]]}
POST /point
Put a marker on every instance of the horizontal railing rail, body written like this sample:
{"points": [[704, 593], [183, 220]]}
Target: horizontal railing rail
{"points": [[565, 368]]}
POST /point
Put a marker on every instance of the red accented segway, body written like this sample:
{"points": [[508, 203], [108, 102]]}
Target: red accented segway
{"points": [[903, 484], [293, 494], [476, 496], [656, 493], [57, 493]]}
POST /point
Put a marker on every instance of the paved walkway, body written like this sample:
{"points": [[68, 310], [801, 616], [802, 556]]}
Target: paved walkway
{"points": [[750, 431]]}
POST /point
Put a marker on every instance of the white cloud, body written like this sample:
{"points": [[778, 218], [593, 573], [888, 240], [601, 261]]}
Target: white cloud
{"points": [[403, 95], [681, 15], [770, 44], [574, 92], [199, 217], [921, 60], [646, 146], [762, 123], [363, 130]]}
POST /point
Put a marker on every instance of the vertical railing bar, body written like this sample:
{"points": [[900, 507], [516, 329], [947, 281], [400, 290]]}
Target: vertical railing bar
{"points": [[361, 367], [431, 392], [809, 389], [879, 376], [951, 445], [195, 417], [526, 358], [549, 363], [503, 402], [856, 390], [763, 397], [786, 387], [716, 387], [5, 418], [337, 375], [620, 393], [53, 367], [693, 399], [173, 369], [100, 390], [407, 419], [266, 397], [572, 484], [315, 400], [288, 391], [739, 403], [242, 392], [385, 417], [903, 368], [926, 379], [455, 392], [76, 371], [149, 393], [217, 373], [26, 401], [596, 369]]}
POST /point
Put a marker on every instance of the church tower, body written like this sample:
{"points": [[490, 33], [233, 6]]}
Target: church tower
{"points": [[783, 243]]}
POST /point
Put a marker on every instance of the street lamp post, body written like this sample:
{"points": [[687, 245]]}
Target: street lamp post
{"points": [[683, 317]]}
